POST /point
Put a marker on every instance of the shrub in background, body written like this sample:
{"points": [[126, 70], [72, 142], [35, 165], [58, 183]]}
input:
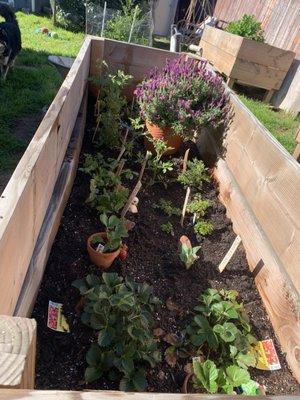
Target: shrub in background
{"points": [[247, 27]]}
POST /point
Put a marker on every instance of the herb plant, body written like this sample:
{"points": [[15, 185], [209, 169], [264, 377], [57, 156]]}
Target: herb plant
{"points": [[156, 163], [188, 255], [203, 228], [120, 310], [184, 95], [195, 174], [220, 329], [167, 228], [167, 207], [247, 27], [115, 231], [111, 106], [198, 206]]}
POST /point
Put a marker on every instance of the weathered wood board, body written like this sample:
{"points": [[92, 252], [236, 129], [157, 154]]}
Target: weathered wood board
{"points": [[244, 60], [25, 200], [259, 184]]}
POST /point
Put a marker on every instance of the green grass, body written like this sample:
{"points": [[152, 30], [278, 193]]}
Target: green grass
{"points": [[281, 124], [33, 83]]}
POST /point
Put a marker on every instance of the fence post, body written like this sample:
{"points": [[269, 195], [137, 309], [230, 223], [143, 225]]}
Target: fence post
{"points": [[17, 352]]}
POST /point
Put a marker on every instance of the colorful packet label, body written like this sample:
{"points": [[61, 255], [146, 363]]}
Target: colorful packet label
{"points": [[266, 355], [56, 320]]}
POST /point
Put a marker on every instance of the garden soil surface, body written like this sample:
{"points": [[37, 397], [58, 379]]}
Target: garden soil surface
{"points": [[153, 258]]}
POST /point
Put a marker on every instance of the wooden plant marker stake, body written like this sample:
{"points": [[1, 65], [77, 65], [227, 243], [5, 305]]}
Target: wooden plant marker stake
{"points": [[223, 264], [188, 191], [135, 191], [148, 154], [120, 168], [123, 148], [185, 160], [186, 200]]}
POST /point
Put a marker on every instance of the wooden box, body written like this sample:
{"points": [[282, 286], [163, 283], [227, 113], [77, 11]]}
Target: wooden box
{"points": [[244, 60], [259, 184]]}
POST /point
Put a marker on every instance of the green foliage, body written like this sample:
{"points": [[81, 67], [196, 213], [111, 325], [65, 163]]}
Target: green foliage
{"points": [[167, 207], [119, 26], [115, 231], [121, 311], [195, 174], [159, 166], [198, 206], [168, 228], [247, 27], [188, 255], [110, 106], [281, 124], [221, 328], [203, 228], [218, 380], [107, 195]]}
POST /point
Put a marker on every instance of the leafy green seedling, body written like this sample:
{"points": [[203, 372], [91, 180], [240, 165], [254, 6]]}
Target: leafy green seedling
{"points": [[167, 228]]}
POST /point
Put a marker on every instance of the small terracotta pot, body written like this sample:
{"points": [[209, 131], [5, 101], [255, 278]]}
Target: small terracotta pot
{"points": [[102, 260], [171, 140]]}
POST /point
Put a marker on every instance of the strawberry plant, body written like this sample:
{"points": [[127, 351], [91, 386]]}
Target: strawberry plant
{"points": [[221, 329], [120, 310], [115, 231]]}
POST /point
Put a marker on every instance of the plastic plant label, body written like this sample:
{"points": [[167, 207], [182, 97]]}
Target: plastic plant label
{"points": [[56, 320], [267, 356]]}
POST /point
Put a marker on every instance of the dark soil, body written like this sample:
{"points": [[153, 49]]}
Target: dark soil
{"points": [[153, 258]]}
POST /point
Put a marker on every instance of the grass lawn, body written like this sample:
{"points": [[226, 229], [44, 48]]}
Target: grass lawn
{"points": [[33, 83], [281, 124]]}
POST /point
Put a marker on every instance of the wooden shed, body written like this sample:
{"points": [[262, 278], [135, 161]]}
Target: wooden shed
{"points": [[259, 184]]}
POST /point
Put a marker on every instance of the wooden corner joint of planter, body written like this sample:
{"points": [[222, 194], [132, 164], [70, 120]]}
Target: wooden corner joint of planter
{"points": [[17, 352]]}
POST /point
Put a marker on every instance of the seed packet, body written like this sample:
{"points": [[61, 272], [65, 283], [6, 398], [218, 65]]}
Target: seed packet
{"points": [[56, 320], [267, 356]]}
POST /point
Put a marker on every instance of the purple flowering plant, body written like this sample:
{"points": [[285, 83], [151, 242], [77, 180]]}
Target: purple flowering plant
{"points": [[184, 96]]}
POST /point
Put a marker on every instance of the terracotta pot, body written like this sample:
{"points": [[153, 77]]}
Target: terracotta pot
{"points": [[171, 140], [102, 260]]}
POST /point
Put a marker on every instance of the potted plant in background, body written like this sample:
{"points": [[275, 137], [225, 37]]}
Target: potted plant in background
{"points": [[104, 247], [179, 99]]}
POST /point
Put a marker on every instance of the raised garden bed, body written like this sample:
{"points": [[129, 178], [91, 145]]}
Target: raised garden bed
{"points": [[246, 61], [248, 178]]}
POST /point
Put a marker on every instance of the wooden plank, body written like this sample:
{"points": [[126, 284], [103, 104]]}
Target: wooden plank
{"points": [[218, 57], [52, 218], [13, 394], [24, 202], [265, 54], [259, 185], [226, 41], [269, 178], [17, 352]]}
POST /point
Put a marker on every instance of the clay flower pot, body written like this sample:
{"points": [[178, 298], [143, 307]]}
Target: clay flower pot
{"points": [[171, 140], [102, 260]]}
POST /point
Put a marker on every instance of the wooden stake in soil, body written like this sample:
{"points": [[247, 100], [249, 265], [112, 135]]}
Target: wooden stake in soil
{"points": [[148, 154], [230, 253], [120, 168], [186, 200], [185, 160], [131, 198], [17, 352]]}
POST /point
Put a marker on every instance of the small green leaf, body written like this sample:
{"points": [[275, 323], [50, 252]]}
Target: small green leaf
{"points": [[106, 336], [127, 365], [246, 360], [139, 380], [93, 356], [206, 375], [237, 376], [92, 374]]}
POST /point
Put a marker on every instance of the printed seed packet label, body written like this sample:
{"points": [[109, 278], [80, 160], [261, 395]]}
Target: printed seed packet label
{"points": [[56, 320], [267, 356]]}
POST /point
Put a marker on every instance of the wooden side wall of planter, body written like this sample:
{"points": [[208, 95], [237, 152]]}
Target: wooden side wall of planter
{"points": [[259, 184], [246, 61]]}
